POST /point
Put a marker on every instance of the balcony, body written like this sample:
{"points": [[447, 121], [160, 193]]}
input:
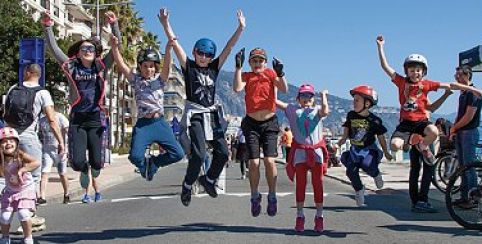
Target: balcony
{"points": [[81, 29], [77, 11]]}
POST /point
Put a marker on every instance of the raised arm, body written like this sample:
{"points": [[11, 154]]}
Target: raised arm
{"points": [[114, 25], [232, 41], [383, 60], [51, 42], [166, 66], [238, 84], [119, 60], [280, 82], [180, 53], [325, 109]]}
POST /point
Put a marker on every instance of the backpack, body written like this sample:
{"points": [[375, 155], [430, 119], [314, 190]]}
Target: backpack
{"points": [[19, 106]]}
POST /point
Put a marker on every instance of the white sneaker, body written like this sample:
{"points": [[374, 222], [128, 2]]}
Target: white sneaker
{"points": [[360, 197], [378, 181], [37, 220]]}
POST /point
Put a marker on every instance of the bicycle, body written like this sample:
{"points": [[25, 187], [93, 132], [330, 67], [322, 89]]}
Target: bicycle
{"points": [[468, 218], [445, 165]]}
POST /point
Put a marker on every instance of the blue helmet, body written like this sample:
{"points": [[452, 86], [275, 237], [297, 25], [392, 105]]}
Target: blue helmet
{"points": [[206, 45]]}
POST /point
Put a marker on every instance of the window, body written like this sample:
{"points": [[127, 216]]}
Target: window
{"points": [[56, 11], [45, 4]]}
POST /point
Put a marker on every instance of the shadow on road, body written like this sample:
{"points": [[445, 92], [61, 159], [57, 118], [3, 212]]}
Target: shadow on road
{"points": [[455, 231], [195, 227]]}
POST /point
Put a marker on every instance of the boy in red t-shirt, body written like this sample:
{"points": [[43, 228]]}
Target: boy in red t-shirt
{"points": [[260, 126], [414, 127]]}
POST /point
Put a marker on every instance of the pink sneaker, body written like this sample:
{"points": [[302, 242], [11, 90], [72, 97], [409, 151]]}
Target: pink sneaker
{"points": [[300, 224], [318, 224]]}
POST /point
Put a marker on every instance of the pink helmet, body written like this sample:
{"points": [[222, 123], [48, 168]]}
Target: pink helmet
{"points": [[306, 88], [8, 133]]}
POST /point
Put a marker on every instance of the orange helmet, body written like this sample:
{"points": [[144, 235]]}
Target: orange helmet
{"points": [[8, 133], [366, 92]]}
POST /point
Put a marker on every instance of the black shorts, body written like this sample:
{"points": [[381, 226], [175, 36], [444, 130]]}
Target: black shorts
{"points": [[406, 128], [261, 134]]}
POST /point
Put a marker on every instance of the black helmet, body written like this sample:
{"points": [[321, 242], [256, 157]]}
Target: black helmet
{"points": [[148, 54]]}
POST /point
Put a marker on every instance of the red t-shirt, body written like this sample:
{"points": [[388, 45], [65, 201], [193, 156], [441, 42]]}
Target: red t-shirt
{"points": [[260, 90], [413, 97]]}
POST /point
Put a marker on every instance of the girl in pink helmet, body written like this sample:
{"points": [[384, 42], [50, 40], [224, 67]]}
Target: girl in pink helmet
{"points": [[19, 193], [308, 151]]}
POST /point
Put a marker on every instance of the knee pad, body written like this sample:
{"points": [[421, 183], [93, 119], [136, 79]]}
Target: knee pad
{"points": [[84, 180], [24, 214], [6, 217]]}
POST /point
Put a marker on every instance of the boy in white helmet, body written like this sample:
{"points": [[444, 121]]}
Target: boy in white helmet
{"points": [[414, 127]]}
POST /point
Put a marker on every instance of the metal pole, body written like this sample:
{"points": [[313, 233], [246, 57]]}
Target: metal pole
{"points": [[98, 24]]}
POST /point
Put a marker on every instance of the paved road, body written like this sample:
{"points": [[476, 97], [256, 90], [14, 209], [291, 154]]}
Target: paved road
{"points": [[150, 212]]}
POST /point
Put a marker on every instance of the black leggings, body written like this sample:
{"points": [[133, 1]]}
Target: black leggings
{"points": [[81, 139], [416, 163]]}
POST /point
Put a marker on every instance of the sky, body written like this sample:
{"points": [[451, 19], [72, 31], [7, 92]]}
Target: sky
{"points": [[332, 44]]}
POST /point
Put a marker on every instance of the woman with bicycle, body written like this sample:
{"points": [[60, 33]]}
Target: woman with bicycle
{"points": [[151, 127]]}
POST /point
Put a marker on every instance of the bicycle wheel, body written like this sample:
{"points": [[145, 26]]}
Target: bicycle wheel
{"points": [[444, 167], [468, 218]]}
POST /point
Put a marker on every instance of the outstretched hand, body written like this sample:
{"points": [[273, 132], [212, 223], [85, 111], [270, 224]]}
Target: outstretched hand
{"points": [[163, 15], [111, 17], [278, 67], [46, 19], [241, 19], [380, 40], [239, 58]]}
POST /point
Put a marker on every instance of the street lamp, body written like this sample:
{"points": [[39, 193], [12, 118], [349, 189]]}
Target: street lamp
{"points": [[98, 6]]}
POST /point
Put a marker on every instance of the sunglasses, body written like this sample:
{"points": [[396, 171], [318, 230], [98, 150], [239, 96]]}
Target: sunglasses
{"points": [[87, 49], [207, 55], [305, 95]]}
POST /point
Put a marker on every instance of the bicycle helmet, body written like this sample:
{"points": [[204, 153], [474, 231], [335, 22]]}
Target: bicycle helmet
{"points": [[8, 133], [416, 59], [206, 45], [366, 92], [148, 54]]}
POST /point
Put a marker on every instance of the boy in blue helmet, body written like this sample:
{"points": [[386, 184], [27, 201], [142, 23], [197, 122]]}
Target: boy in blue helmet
{"points": [[203, 119]]}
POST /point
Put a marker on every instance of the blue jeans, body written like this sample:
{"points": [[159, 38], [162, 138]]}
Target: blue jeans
{"points": [[367, 159], [465, 143], [148, 131]]}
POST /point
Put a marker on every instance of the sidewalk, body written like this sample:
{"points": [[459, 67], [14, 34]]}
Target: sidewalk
{"points": [[395, 177], [119, 171]]}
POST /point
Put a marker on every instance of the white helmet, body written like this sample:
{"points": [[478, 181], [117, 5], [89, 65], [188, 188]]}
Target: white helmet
{"points": [[418, 59]]}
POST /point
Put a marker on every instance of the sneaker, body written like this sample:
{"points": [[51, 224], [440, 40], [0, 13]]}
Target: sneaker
{"points": [[37, 220], [243, 177], [272, 207], [28, 240], [300, 224], [466, 204], [427, 155], [97, 197], [318, 224], [360, 197], [86, 199], [256, 206], [423, 207], [66, 199], [150, 170], [185, 195], [41, 201], [210, 188], [378, 181]]}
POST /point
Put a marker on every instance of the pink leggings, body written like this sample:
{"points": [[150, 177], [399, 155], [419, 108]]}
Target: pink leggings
{"points": [[316, 180]]}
